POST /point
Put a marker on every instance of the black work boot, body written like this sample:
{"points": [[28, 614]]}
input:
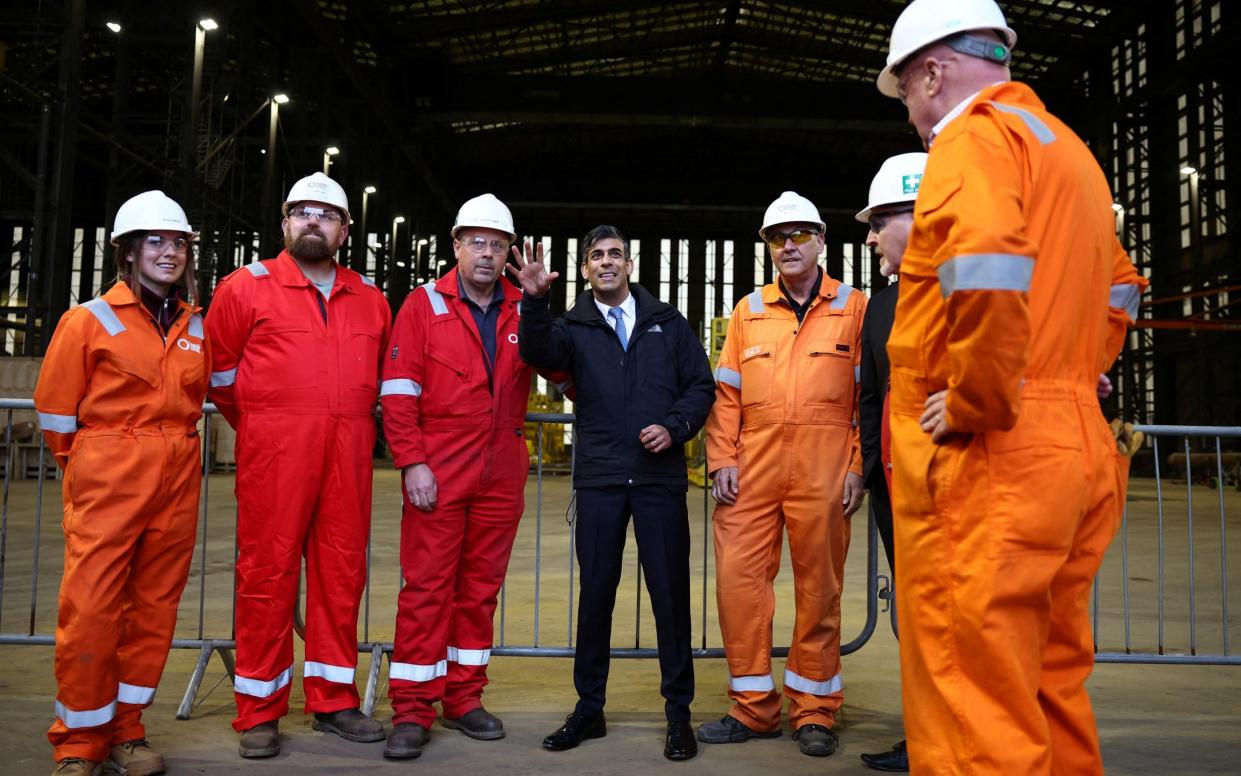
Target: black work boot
{"points": [[262, 740], [479, 723], [406, 740], [350, 724]]}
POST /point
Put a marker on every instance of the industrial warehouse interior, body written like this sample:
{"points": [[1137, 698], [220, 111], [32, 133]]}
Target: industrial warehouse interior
{"points": [[678, 122]]}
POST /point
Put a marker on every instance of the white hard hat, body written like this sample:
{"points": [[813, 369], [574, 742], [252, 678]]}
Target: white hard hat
{"points": [[319, 188], [925, 21], [485, 212], [150, 211], [896, 183], [789, 207]]}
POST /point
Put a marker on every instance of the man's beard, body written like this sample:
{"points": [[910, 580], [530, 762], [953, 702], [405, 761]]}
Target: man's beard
{"points": [[307, 248]]}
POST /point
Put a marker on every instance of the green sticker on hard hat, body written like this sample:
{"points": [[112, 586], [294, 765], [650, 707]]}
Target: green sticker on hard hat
{"points": [[910, 183]]}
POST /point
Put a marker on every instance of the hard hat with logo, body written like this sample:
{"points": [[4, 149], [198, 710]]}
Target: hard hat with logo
{"points": [[485, 212], [896, 183], [150, 211], [790, 207], [924, 22], [319, 188]]}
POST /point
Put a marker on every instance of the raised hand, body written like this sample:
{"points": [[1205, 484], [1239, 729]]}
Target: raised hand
{"points": [[530, 273]]}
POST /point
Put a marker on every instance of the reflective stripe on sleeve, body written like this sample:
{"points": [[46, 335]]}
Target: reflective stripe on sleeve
{"points": [[367, 281], [728, 377], [802, 684], [1126, 296], [195, 328], [469, 657], [223, 379], [400, 388], [337, 674], [1034, 123], [857, 374], [763, 683], [985, 272], [135, 694], [438, 305], [60, 424], [106, 316], [842, 297], [258, 269], [756, 301], [415, 672], [85, 719], [258, 688]]}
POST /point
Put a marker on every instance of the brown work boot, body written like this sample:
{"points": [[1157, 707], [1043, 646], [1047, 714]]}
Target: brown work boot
{"points": [[350, 724], [479, 723], [261, 741], [76, 766], [135, 758]]}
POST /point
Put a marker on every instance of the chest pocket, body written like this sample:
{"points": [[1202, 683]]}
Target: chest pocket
{"points": [[130, 368], [757, 370], [284, 357], [359, 358], [828, 378]]}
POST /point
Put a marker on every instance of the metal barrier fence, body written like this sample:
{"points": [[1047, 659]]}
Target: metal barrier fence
{"points": [[210, 624]]}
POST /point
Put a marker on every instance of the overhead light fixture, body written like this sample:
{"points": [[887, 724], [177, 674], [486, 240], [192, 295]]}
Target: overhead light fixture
{"points": [[1119, 208], [370, 189], [423, 241], [114, 26], [280, 99], [331, 150], [207, 25], [399, 220], [1187, 170]]}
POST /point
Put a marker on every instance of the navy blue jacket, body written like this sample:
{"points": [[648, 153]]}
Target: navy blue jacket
{"points": [[663, 378]]}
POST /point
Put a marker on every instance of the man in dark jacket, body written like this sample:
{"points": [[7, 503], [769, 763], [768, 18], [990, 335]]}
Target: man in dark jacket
{"points": [[644, 388]]}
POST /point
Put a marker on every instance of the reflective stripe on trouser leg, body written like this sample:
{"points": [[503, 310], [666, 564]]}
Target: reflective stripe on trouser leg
{"points": [[336, 566], [495, 508], [96, 647], [158, 573], [818, 544], [275, 502], [748, 538]]}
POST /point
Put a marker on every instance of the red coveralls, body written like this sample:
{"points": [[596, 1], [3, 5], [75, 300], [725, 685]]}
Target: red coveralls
{"points": [[118, 404], [297, 376], [1014, 297], [438, 410]]}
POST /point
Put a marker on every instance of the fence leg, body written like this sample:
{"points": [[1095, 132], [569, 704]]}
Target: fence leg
{"points": [[196, 679], [372, 679]]}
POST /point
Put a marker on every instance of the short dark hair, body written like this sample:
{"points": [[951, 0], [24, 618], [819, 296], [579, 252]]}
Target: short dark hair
{"points": [[602, 232]]}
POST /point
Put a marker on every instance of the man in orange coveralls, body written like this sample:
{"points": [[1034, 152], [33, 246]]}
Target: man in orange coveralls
{"points": [[782, 446], [1015, 296], [119, 395], [298, 345], [454, 396]]}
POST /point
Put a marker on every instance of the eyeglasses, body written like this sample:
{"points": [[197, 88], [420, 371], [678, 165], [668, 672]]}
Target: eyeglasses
{"points": [[879, 221], [161, 243], [479, 245], [305, 212], [905, 79], [799, 237]]}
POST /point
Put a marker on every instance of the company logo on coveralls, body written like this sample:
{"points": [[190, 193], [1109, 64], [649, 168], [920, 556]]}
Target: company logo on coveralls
{"points": [[910, 183]]}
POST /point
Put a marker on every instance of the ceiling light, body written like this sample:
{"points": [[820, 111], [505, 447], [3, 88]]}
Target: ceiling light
{"points": [[207, 25], [114, 26]]}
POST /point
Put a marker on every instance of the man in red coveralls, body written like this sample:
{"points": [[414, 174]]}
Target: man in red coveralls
{"points": [[454, 404], [298, 343]]}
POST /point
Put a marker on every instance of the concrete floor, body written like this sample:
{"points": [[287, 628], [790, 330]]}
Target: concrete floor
{"points": [[1152, 719]]}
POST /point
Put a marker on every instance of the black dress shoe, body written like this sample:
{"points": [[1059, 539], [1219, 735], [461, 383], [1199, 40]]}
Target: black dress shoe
{"points": [[895, 760], [576, 729], [680, 743]]}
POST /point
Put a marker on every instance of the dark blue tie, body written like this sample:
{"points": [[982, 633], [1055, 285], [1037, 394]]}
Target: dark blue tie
{"points": [[615, 314]]}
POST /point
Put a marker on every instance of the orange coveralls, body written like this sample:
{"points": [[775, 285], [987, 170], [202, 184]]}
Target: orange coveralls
{"points": [[118, 404], [1015, 295], [785, 401]]}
